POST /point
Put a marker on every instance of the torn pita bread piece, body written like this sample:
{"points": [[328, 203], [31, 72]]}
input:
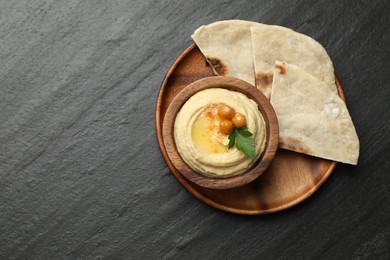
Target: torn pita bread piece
{"points": [[271, 43], [312, 118], [227, 46]]}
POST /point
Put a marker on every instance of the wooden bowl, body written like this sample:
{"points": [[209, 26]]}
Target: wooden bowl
{"points": [[230, 83]]}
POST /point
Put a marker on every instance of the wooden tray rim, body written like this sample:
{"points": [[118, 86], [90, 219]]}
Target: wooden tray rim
{"points": [[199, 195]]}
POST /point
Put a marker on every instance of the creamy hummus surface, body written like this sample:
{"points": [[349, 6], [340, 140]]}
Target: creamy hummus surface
{"points": [[200, 143]]}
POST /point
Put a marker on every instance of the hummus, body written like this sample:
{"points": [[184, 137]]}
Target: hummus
{"points": [[200, 143]]}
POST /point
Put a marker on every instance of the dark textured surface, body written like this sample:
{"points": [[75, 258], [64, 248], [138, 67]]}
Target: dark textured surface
{"points": [[81, 175]]}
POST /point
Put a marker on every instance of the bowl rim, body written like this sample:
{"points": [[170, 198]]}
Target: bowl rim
{"points": [[234, 84]]}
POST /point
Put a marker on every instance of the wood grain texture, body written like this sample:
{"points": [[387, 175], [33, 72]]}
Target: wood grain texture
{"points": [[81, 173], [233, 84], [290, 178]]}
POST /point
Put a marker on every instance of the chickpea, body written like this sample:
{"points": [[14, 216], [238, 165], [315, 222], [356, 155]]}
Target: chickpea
{"points": [[226, 126], [239, 120], [225, 112]]}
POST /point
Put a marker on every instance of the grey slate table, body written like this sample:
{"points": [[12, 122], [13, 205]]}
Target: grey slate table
{"points": [[81, 175]]}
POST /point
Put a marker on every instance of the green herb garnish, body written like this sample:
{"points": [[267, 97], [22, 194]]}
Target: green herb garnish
{"points": [[241, 137]]}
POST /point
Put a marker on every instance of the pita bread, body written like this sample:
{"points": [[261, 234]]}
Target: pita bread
{"points": [[227, 46], [312, 118], [271, 43], [248, 51]]}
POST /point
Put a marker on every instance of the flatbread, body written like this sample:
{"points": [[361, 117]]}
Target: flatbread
{"points": [[312, 118], [248, 51], [227, 46], [271, 43]]}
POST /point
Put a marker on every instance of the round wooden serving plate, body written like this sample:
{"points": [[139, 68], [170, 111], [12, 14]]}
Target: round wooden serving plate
{"points": [[290, 178]]}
